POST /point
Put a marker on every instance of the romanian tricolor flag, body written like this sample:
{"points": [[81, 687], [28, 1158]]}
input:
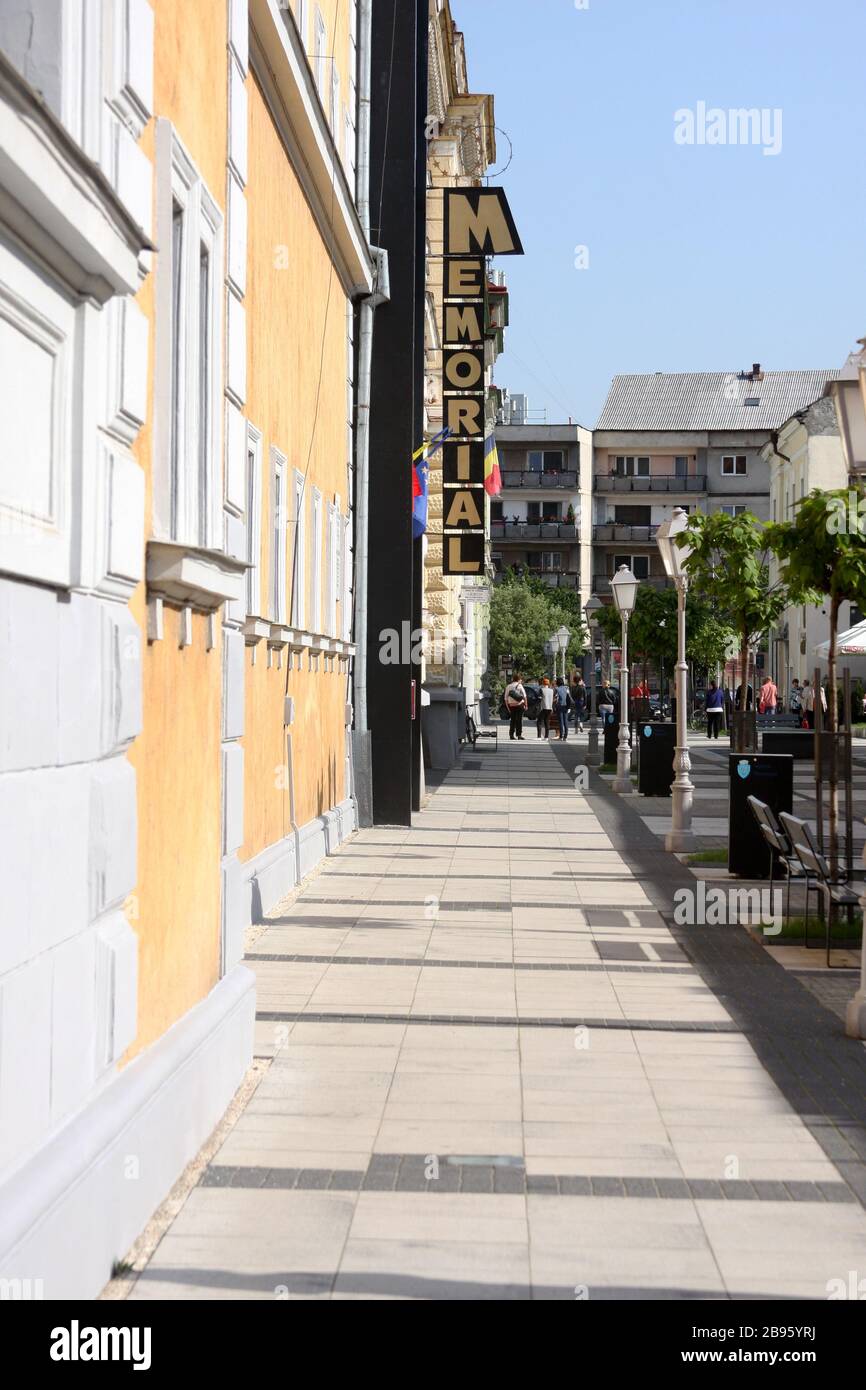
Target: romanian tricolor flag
{"points": [[492, 476], [420, 478]]}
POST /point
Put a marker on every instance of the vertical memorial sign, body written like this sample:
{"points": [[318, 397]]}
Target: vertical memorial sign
{"points": [[478, 223]]}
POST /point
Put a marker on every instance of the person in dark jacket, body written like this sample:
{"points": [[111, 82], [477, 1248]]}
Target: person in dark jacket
{"points": [[562, 703]]}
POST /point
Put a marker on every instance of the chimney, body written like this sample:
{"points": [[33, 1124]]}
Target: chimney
{"points": [[757, 374]]}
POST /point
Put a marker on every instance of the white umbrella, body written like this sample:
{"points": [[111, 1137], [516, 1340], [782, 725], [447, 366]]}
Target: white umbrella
{"points": [[850, 643]]}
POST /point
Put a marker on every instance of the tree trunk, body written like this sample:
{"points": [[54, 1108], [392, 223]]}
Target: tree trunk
{"points": [[744, 691], [833, 722]]}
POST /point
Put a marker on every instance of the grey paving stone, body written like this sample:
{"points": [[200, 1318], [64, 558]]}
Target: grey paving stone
{"points": [[673, 1187], [607, 1187], [282, 1177], [541, 1182], [738, 1190], [769, 1191], [640, 1187], [804, 1191], [705, 1188]]}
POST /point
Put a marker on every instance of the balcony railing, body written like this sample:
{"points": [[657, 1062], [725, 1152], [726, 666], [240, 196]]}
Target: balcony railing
{"points": [[524, 477], [555, 579], [532, 531], [618, 531], [655, 482], [601, 582]]}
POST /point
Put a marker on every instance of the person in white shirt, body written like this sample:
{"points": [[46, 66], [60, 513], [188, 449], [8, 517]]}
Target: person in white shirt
{"points": [[544, 709], [516, 703]]}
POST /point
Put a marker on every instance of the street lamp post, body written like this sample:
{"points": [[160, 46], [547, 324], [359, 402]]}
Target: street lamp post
{"points": [[591, 609], [562, 637], [680, 836], [624, 586]]}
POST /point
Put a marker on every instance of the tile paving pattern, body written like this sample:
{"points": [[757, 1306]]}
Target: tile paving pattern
{"points": [[500, 1071]]}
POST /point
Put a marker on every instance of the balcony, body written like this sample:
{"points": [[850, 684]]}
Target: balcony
{"points": [[613, 531], [524, 477], [654, 482], [554, 579], [532, 531], [601, 583]]}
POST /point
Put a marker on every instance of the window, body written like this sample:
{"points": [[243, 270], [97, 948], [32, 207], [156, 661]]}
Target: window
{"points": [[638, 564], [551, 560], [278, 537], [188, 370], [253, 511], [349, 146], [543, 512], [301, 19], [496, 511], [299, 555], [545, 461], [736, 510], [632, 466], [681, 466], [496, 557], [632, 516], [332, 568], [335, 102], [734, 465], [316, 563], [319, 53]]}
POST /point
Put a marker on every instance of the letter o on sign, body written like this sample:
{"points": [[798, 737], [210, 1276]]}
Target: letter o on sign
{"points": [[463, 370]]}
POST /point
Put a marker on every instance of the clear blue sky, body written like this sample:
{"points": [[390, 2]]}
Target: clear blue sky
{"points": [[701, 258]]}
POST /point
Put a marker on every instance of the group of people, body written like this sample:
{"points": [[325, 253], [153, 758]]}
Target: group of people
{"points": [[558, 699]]}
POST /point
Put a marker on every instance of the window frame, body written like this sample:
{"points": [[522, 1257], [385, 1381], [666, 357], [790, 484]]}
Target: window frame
{"points": [[277, 574], [316, 543], [320, 52], [299, 553], [253, 518], [735, 471], [188, 402]]}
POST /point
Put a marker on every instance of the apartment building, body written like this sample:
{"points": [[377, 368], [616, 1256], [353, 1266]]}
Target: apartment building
{"points": [[690, 440], [805, 453], [181, 261], [541, 522]]}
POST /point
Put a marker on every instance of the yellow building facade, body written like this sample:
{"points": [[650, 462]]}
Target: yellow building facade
{"points": [[205, 562]]}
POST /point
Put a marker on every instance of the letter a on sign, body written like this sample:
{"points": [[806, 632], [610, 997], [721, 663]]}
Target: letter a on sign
{"points": [[463, 509], [478, 222]]}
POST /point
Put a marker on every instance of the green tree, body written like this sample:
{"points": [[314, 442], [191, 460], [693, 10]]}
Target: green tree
{"points": [[729, 566], [821, 554], [524, 613]]}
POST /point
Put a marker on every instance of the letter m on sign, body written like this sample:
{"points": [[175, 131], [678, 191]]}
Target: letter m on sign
{"points": [[478, 222]]}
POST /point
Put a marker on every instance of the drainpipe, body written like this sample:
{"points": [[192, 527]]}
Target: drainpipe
{"points": [[361, 734]]}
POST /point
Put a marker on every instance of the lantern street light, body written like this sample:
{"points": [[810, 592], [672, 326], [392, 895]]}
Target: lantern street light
{"points": [[674, 555], [562, 637], [592, 608], [624, 586]]}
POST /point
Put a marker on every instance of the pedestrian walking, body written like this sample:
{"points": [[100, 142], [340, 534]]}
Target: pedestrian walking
{"points": [[808, 703], [606, 700], [516, 702], [542, 724], [750, 697], [769, 697], [715, 708], [795, 699], [579, 696], [562, 703]]}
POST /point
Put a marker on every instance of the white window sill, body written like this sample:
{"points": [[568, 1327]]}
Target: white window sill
{"points": [[194, 577]]}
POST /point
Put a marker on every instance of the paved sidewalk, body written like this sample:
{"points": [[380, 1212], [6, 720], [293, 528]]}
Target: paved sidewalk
{"points": [[497, 1073]]}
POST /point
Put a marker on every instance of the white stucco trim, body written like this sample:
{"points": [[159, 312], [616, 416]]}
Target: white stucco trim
{"points": [[81, 1201], [58, 202]]}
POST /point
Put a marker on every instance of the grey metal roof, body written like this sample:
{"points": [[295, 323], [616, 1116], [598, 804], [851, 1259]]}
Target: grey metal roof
{"points": [[709, 400]]}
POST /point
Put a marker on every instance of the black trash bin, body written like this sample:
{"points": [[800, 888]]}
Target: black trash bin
{"points": [[770, 778], [656, 745], [611, 737]]}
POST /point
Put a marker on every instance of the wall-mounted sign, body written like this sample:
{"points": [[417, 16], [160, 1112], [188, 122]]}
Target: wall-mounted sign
{"points": [[478, 223]]}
